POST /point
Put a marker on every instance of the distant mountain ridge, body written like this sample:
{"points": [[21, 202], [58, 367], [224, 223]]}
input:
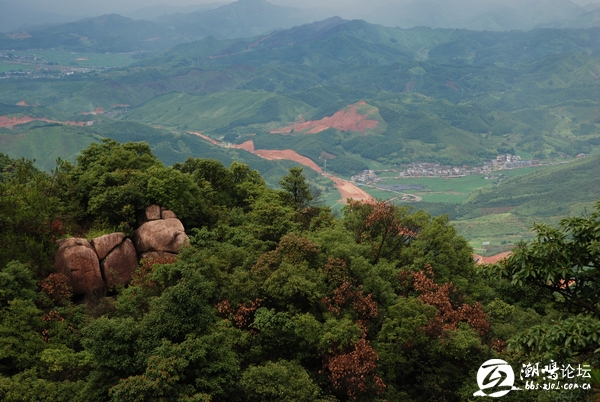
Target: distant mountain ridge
{"points": [[480, 15], [250, 18], [151, 13], [243, 18], [590, 19], [107, 33], [19, 15]]}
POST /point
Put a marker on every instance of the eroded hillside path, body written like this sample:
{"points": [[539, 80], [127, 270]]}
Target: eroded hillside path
{"points": [[346, 189]]}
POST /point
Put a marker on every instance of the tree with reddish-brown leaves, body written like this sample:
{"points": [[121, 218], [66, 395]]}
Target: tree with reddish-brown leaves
{"points": [[386, 227], [364, 307], [447, 316], [241, 316], [57, 287], [353, 371], [430, 339]]}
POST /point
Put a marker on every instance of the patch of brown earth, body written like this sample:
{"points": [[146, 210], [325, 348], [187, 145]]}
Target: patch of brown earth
{"points": [[346, 189], [349, 190], [289, 155], [207, 138], [273, 154], [22, 103], [346, 119], [491, 260]]}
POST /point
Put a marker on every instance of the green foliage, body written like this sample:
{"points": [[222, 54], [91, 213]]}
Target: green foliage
{"points": [[572, 336], [280, 381], [561, 263], [111, 183], [346, 165], [297, 191], [30, 215], [16, 282]]}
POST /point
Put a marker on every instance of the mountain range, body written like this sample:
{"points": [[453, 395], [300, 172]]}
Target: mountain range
{"points": [[246, 18]]}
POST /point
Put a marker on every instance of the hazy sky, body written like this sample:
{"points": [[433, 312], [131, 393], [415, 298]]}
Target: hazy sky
{"points": [[97, 7]]}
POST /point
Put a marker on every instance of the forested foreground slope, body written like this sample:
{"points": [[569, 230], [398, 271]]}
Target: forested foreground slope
{"points": [[275, 298]]}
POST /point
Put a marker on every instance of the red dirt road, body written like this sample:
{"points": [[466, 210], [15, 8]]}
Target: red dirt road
{"points": [[205, 137], [346, 119], [346, 189], [349, 190]]}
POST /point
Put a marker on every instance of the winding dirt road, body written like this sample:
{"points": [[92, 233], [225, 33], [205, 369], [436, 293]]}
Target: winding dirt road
{"points": [[347, 190]]}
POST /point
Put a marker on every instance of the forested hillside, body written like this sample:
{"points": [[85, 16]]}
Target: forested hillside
{"points": [[346, 96], [275, 298]]}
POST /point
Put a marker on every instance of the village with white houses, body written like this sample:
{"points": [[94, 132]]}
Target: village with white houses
{"points": [[427, 169]]}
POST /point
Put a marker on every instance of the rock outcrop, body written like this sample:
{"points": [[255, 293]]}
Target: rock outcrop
{"points": [[111, 260], [120, 264], [77, 259], [159, 237], [105, 244]]}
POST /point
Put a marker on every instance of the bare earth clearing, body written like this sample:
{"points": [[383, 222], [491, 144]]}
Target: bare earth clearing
{"points": [[493, 259], [346, 189], [346, 119]]}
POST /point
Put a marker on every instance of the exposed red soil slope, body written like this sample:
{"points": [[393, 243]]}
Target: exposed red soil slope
{"points": [[493, 259], [349, 190], [274, 154], [207, 138], [346, 189], [346, 119]]}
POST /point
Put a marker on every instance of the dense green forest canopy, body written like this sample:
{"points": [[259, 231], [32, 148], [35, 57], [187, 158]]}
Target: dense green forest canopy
{"points": [[275, 298]]}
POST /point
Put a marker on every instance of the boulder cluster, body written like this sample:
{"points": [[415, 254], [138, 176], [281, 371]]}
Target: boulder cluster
{"points": [[110, 260]]}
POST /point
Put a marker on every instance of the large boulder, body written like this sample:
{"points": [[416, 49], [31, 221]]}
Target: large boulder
{"points": [[105, 244], [120, 264], [160, 235], [167, 213], [154, 213], [151, 213], [77, 260]]}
